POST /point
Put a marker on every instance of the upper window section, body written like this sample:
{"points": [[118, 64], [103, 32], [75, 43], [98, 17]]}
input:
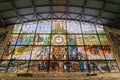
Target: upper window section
{"points": [[73, 27], [88, 28], [100, 29], [59, 26], [17, 28], [29, 27], [44, 27]]}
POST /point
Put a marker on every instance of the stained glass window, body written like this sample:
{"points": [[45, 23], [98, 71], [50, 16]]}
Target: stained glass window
{"points": [[18, 66], [58, 46], [17, 28], [58, 53], [91, 40], [22, 53], [42, 39], [88, 28], [59, 26], [73, 27], [40, 53], [44, 27], [13, 39], [29, 28], [25, 39], [75, 39]]}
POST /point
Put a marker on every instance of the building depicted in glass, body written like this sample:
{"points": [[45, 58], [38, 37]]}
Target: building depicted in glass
{"points": [[58, 46]]}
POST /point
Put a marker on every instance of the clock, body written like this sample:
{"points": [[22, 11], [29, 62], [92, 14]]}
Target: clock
{"points": [[58, 40]]}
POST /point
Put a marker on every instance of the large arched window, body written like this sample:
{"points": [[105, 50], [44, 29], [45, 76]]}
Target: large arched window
{"points": [[58, 46]]}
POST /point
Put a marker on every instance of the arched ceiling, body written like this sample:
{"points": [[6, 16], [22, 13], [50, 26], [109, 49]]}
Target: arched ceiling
{"points": [[96, 11]]}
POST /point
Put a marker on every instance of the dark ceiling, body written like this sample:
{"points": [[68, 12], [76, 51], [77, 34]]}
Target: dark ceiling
{"points": [[96, 11]]}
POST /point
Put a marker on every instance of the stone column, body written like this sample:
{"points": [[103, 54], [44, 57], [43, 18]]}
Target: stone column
{"points": [[113, 36], [4, 37]]}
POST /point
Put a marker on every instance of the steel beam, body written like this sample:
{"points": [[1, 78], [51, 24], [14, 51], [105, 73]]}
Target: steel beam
{"points": [[35, 13], [100, 11], [61, 5], [116, 3], [16, 11], [60, 19], [60, 12], [84, 7]]}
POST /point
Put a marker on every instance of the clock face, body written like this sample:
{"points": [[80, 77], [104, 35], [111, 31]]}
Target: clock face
{"points": [[58, 40]]}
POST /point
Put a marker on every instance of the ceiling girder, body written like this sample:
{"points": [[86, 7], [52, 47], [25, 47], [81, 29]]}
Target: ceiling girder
{"points": [[16, 11], [83, 9], [53, 5], [35, 13], [60, 12], [100, 11]]}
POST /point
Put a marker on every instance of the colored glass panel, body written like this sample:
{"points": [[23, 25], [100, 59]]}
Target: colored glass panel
{"points": [[25, 39], [29, 27], [40, 53], [44, 27], [91, 40], [73, 27], [22, 53], [17, 28], [75, 39], [94, 52], [59, 26], [58, 53], [42, 39], [88, 28]]}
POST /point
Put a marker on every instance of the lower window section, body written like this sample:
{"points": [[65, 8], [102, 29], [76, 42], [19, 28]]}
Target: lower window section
{"points": [[38, 66], [58, 66], [113, 66], [18, 66]]}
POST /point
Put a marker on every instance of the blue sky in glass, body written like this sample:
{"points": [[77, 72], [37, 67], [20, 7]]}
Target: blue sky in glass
{"points": [[29, 28], [44, 27], [17, 28], [88, 28], [73, 27]]}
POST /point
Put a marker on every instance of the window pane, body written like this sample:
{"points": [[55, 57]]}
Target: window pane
{"points": [[17, 28], [58, 46], [94, 52], [100, 29], [58, 40], [104, 40], [113, 66], [88, 28], [73, 27], [76, 53], [91, 40], [98, 66], [75, 39], [75, 66], [13, 39], [44, 27], [29, 27], [108, 52], [8, 52], [56, 66], [40, 53], [59, 26], [22, 52], [42, 39], [58, 53], [38, 66], [3, 66], [25, 39], [18, 66]]}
